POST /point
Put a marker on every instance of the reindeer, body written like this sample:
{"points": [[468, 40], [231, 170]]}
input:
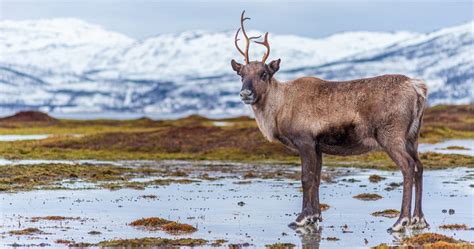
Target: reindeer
{"points": [[314, 116]]}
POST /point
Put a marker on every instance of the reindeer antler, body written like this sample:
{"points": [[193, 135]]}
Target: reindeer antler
{"points": [[267, 45], [247, 39]]}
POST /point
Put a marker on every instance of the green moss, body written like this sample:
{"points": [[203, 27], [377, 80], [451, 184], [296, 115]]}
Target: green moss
{"points": [[429, 241], [26, 231], [52, 218], [388, 213], [456, 148], [219, 242], [376, 178], [143, 184], [178, 228], [150, 223], [454, 227], [48, 176], [380, 160], [424, 238], [368, 197], [435, 134], [63, 241], [153, 242], [156, 223], [82, 244], [280, 246]]}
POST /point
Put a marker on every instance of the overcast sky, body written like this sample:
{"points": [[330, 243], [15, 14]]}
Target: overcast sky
{"points": [[140, 19]]}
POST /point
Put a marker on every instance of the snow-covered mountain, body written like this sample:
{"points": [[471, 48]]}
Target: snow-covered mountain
{"points": [[68, 65]]}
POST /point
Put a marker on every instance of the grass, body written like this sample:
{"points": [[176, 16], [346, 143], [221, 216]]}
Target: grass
{"points": [[197, 138]]}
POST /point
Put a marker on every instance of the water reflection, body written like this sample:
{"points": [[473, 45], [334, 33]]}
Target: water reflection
{"points": [[310, 236]]}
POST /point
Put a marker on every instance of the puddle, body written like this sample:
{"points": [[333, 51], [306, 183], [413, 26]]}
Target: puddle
{"points": [[10, 138], [256, 212], [467, 144], [4, 162], [221, 124]]}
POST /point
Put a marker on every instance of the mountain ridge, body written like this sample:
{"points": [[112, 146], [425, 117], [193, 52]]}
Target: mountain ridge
{"points": [[189, 72]]}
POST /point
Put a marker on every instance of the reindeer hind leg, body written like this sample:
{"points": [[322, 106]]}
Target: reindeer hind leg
{"points": [[396, 149], [418, 221]]}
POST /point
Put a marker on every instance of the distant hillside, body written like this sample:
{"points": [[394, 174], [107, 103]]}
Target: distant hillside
{"points": [[28, 116], [67, 65]]}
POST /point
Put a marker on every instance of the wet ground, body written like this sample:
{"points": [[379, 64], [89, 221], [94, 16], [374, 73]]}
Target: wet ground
{"points": [[453, 146], [239, 206]]}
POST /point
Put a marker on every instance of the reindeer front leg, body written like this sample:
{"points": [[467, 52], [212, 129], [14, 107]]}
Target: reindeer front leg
{"points": [[311, 161]]}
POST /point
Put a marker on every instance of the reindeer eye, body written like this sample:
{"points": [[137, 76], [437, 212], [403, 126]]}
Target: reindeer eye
{"points": [[263, 76]]}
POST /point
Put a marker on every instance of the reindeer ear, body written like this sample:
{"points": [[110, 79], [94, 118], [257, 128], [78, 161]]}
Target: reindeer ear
{"points": [[236, 66], [274, 66]]}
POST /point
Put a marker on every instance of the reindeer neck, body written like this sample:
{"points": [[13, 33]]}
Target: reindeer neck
{"points": [[267, 108]]}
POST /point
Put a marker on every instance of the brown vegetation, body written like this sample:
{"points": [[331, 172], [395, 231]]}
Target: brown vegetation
{"points": [[425, 238], [280, 246], [177, 228], [198, 138], [150, 223], [153, 242], [454, 227], [52, 218], [26, 231], [388, 213], [28, 117], [376, 178], [368, 197], [156, 223], [63, 241], [429, 241]]}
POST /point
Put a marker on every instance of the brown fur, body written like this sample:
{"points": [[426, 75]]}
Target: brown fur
{"points": [[315, 116]]}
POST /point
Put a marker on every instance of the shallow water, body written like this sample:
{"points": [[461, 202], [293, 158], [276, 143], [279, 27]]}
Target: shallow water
{"points": [[10, 138], [212, 206], [4, 162], [468, 144]]}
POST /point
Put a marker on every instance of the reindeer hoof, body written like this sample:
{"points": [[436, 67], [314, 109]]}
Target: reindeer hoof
{"points": [[400, 225], [419, 223], [307, 230], [305, 220]]}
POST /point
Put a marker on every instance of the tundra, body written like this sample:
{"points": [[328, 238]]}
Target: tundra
{"points": [[315, 116]]}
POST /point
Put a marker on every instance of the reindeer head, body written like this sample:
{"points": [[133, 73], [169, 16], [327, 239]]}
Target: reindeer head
{"points": [[256, 75]]}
